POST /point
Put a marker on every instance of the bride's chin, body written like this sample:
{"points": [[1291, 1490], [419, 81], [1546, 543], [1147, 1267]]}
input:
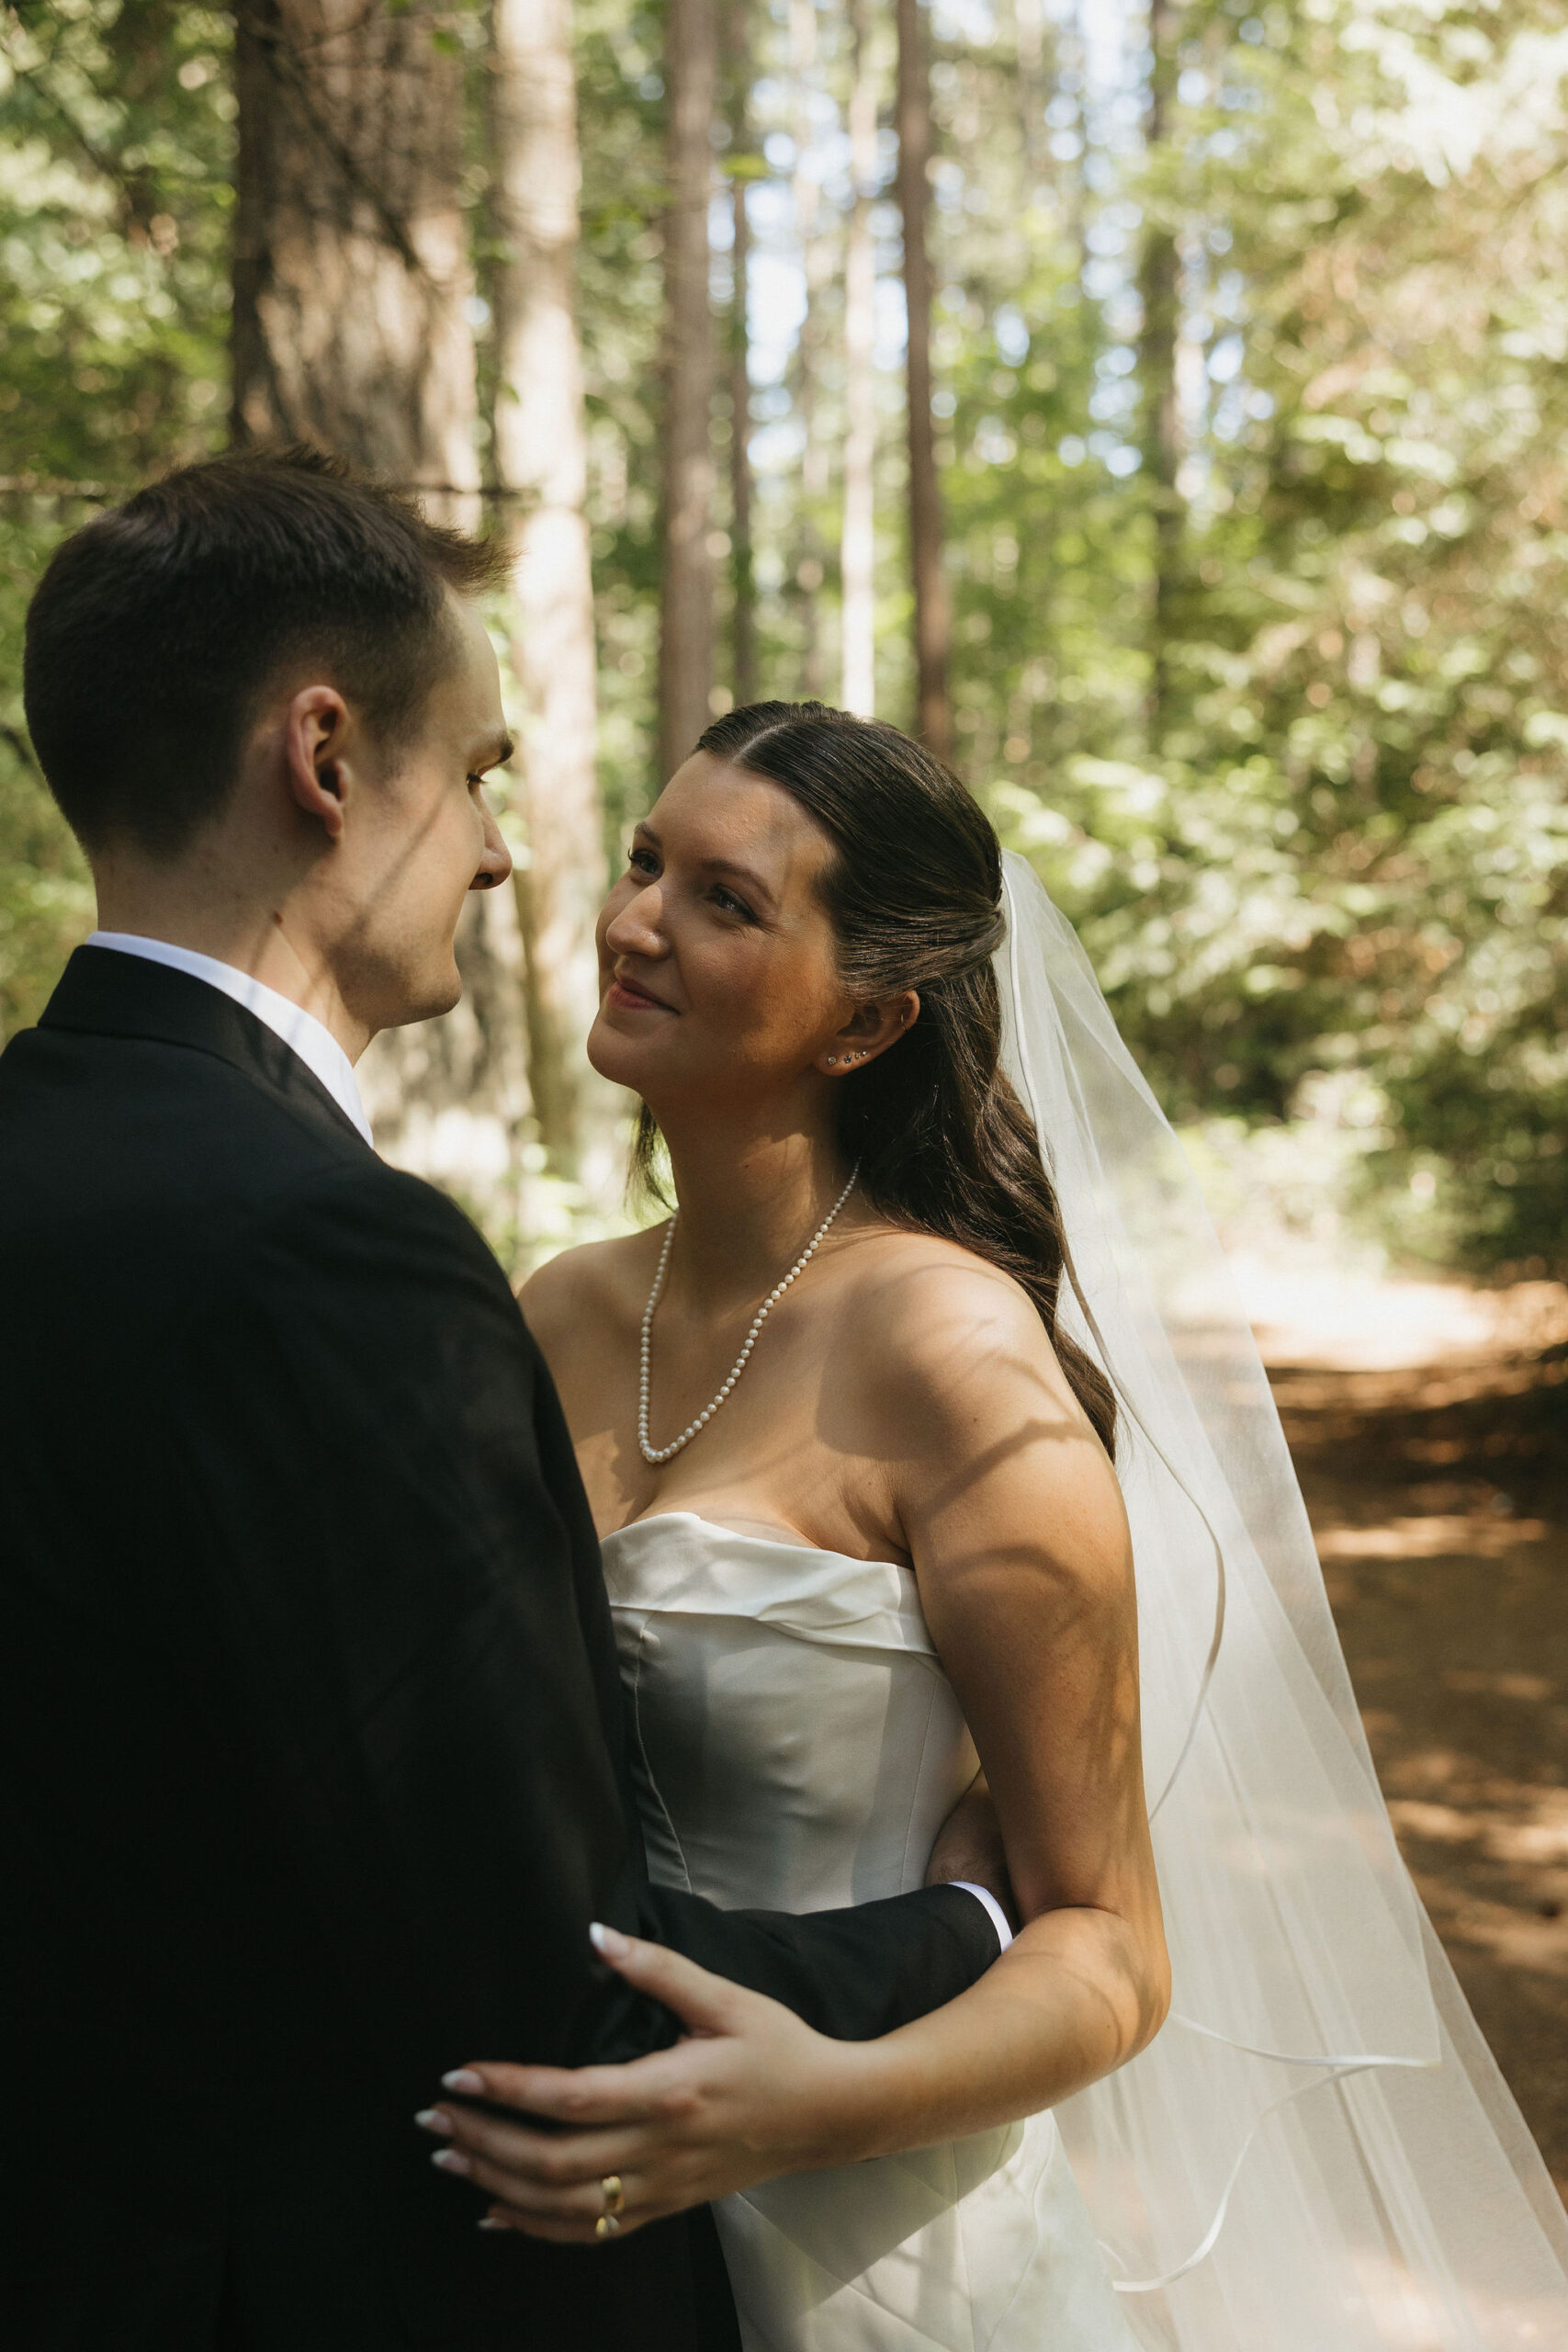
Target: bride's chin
{"points": [[613, 1056]]}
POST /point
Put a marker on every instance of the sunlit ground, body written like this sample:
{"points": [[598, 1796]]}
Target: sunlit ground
{"points": [[1429, 1424]]}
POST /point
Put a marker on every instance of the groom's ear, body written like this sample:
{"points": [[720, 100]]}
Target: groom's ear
{"points": [[315, 732]]}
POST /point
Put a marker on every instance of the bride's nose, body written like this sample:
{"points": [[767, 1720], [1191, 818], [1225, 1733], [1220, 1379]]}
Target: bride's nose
{"points": [[637, 928]]}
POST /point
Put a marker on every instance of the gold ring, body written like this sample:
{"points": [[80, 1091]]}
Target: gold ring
{"points": [[607, 2226], [612, 2195]]}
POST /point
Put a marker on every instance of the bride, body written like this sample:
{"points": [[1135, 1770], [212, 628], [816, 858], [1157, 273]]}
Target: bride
{"points": [[848, 1423]]}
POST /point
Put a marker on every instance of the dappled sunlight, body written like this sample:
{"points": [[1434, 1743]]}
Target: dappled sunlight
{"points": [[1432, 1538]]}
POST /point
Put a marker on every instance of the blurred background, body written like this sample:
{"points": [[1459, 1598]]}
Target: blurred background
{"points": [[1160, 407]]}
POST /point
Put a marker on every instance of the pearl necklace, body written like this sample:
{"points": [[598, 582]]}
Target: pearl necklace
{"points": [[656, 1453]]}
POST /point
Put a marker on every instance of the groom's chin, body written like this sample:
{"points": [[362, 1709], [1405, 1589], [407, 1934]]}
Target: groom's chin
{"points": [[436, 998], [405, 998]]}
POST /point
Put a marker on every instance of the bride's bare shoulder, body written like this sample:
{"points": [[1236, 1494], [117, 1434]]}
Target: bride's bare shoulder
{"points": [[598, 1284], [928, 1315], [902, 1278]]}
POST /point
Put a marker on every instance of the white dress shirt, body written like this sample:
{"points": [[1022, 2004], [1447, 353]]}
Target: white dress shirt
{"points": [[299, 1030]]}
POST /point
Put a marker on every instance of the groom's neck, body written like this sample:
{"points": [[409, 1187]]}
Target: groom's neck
{"points": [[194, 903]]}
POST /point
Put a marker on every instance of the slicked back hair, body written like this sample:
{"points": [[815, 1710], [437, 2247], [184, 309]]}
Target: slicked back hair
{"points": [[158, 626]]}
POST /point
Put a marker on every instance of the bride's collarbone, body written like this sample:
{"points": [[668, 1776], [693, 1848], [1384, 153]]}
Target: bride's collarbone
{"points": [[774, 1476], [794, 1441]]}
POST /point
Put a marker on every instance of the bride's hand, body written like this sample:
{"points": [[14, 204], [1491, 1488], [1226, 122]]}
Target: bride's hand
{"points": [[750, 2092]]}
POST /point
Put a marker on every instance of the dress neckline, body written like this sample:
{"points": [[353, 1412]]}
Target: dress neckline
{"points": [[785, 1539]]}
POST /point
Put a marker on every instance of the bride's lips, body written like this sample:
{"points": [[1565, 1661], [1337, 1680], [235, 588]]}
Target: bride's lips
{"points": [[628, 996]]}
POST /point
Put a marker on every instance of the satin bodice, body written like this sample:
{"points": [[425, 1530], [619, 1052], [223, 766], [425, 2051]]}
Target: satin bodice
{"points": [[797, 1744]]}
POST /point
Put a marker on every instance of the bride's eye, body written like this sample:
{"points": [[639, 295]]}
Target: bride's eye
{"points": [[642, 861], [730, 904]]}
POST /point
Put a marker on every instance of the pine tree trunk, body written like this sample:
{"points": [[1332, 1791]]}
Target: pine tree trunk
{"points": [[1159, 286], [351, 277], [816, 263], [744, 587], [933, 625], [857, 558], [540, 455], [686, 619], [351, 266]]}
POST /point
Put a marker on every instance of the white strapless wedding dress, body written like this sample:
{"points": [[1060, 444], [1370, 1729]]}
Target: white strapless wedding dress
{"points": [[797, 1747]]}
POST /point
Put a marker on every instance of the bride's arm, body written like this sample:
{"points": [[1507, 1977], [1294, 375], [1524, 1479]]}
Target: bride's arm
{"points": [[1013, 1519], [1014, 1522]]}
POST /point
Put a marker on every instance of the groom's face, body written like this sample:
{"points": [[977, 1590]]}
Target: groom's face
{"points": [[417, 837]]}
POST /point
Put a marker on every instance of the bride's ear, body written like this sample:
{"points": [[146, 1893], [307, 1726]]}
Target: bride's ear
{"points": [[869, 1031]]}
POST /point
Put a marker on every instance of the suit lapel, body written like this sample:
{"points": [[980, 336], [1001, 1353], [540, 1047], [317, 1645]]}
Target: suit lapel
{"points": [[106, 994]]}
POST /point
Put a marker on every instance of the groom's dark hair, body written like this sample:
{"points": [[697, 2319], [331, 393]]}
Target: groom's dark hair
{"points": [[157, 627]]}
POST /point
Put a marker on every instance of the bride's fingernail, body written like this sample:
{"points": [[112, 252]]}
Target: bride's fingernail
{"points": [[463, 2079], [608, 1942], [451, 2160], [431, 2119], [490, 2222]]}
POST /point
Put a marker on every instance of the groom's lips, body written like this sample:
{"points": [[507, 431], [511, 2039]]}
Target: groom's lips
{"points": [[630, 996]]}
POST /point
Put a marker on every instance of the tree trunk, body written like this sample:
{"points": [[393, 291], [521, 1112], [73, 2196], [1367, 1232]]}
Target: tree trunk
{"points": [[686, 620], [351, 277], [351, 263], [1159, 286], [816, 263], [934, 623], [541, 462], [857, 559], [743, 607]]}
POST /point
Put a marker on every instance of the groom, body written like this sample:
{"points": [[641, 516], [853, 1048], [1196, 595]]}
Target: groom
{"points": [[311, 1770]]}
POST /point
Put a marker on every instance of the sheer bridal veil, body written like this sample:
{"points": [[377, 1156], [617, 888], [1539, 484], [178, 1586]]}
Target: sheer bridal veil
{"points": [[1318, 2153]]}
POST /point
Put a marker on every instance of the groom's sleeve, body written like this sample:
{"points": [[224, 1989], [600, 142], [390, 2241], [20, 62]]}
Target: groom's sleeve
{"points": [[853, 1973]]}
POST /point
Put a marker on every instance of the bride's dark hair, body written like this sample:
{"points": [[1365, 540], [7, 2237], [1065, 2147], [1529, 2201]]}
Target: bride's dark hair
{"points": [[914, 895]]}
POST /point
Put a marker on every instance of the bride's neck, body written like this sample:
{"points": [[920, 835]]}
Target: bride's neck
{"points": [[751, 1198]]}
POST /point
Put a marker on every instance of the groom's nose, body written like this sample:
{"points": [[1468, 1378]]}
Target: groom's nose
{"points": [[495, 864]]}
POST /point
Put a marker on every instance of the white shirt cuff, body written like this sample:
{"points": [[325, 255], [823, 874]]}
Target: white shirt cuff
{"points": [[997, 1914]]}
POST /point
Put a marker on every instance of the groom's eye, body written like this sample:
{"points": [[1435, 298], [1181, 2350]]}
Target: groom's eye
{"points": [[642, 861]]}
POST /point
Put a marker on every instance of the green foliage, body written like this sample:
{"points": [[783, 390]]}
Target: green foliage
{"points": [[115, 135], [1344, 844], [1330, 865]]}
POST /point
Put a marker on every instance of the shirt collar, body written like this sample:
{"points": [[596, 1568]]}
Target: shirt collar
{"points": [[299, 1030]]}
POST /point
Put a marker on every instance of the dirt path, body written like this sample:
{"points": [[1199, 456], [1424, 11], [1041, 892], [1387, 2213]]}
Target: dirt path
{"points": [[1438, 1492]]}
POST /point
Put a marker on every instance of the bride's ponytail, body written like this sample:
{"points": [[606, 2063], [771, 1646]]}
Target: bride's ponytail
{"points": [[915, 898]]}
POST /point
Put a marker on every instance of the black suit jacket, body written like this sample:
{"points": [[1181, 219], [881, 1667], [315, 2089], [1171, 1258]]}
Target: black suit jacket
{"points": [[311, 1770]]}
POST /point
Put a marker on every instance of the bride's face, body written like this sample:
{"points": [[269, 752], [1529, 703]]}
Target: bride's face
{"points": [[718, 976]]}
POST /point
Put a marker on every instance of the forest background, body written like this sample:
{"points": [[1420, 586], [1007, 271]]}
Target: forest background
{"points": [[1163, 405]]}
